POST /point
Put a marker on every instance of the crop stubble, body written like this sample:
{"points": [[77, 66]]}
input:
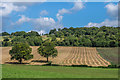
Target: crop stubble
{"points": [[66, 56]]}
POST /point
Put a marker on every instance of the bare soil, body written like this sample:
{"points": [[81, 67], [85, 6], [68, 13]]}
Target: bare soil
{"points": [[66, 56]]}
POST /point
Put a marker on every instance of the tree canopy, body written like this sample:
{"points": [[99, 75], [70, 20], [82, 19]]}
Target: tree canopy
{"points": [[4, 34], [88, 36], [83, 36], [47, 50], [21, 51]]}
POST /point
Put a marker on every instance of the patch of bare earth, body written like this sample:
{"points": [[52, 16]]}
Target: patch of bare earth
{"points": [[80, 56]]}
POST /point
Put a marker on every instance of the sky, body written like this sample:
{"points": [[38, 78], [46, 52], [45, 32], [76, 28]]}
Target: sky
{"points": [[44, 16]]}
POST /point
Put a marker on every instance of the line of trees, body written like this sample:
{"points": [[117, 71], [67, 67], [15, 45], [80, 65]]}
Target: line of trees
{"points": [[20, 33]]}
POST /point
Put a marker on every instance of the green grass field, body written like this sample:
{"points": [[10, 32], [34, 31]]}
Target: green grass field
{"points": [[29, 71], [110, 54]]}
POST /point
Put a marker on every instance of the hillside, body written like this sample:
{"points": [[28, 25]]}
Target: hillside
{"points": [[83, 36]]}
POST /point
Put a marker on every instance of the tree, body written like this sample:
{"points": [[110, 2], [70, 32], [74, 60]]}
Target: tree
{"points": [[53, 38], [47, 50], [19, 33], [59, 29], [52, 31], [6, 43], [113, 43], [4, 34], [6, 39], [18, 39], [33, 33], [87, 42], [21, 51]]}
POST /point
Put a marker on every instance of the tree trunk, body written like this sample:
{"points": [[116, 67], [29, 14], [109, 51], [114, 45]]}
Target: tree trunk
{"points": [[20, 60], [47, 59]]}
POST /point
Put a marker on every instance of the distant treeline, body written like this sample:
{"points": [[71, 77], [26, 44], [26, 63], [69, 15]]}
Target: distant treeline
{"points": [[83, 36], [88, 36], [32, 38]]}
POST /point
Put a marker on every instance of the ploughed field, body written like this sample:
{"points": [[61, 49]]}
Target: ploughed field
{"points": [[66, 56]]}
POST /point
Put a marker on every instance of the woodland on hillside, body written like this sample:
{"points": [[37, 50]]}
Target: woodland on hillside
{"points": [[83, 36]]}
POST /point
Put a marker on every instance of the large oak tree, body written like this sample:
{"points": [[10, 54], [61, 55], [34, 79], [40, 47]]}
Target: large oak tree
{"points": [[47, 50], [21, 51]]}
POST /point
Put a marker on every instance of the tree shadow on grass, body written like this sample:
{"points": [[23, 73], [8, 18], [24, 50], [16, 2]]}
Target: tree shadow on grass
{"points": [[40, 61], [15, 63]]}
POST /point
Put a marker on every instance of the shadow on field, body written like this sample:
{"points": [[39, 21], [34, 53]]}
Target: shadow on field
{"points": [[41, 61], [15, 63]]}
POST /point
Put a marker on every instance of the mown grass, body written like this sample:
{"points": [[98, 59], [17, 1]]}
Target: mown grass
{"points": [[110, 54], [29, 71]]}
